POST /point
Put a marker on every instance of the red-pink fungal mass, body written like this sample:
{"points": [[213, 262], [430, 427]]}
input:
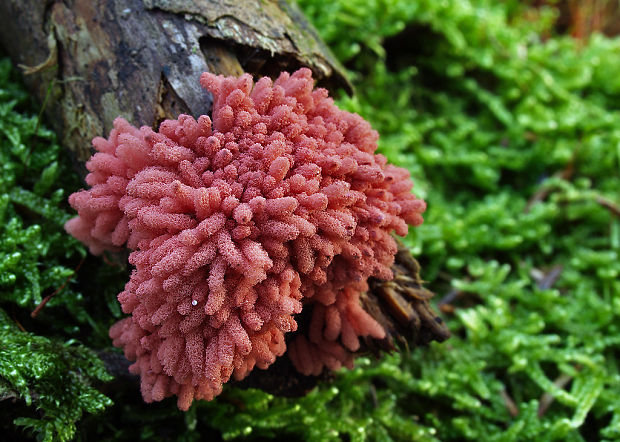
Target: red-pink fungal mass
{"points": [[237, 223]]}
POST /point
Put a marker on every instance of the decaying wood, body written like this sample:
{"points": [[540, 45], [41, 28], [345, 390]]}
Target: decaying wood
{"points": [[91, 61], [141, 59], [402, 307]]}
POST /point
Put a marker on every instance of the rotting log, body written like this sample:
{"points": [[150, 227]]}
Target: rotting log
{"points": [[89, 62]]}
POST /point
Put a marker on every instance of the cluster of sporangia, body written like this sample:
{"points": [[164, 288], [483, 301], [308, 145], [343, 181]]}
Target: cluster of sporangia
{"points": [[280, 204]]}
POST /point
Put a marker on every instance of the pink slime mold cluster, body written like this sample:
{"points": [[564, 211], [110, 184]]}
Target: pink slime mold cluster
{"points": [[238, 223]]}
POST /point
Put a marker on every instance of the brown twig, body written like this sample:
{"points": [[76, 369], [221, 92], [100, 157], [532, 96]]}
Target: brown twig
{"points": [[19, 324], [47, 299], [445, 303], [609, 205], [602, 201], [547, 399], [511, 406]]}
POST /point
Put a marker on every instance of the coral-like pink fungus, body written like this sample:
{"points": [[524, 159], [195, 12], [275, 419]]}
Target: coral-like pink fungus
{"points": [[280, 204]]}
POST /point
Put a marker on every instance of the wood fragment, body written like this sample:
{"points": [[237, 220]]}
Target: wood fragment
{"points": [[511, 406], [547, 398], [402, 307], [445, 303], [609, 205], [19, 325]]}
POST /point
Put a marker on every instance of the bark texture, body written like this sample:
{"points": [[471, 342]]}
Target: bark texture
{"points": [[91, 61]]}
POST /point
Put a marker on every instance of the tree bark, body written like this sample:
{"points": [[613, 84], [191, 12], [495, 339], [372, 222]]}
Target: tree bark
{"points": [[90, 61]]}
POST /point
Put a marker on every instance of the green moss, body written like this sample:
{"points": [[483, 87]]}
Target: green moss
{"points": [[32, 201], [486, 115], [51, 375], [54, 377], [512, 135]]}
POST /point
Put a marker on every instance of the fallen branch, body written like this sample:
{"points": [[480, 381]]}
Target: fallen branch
{"points": [[47, 299]]}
